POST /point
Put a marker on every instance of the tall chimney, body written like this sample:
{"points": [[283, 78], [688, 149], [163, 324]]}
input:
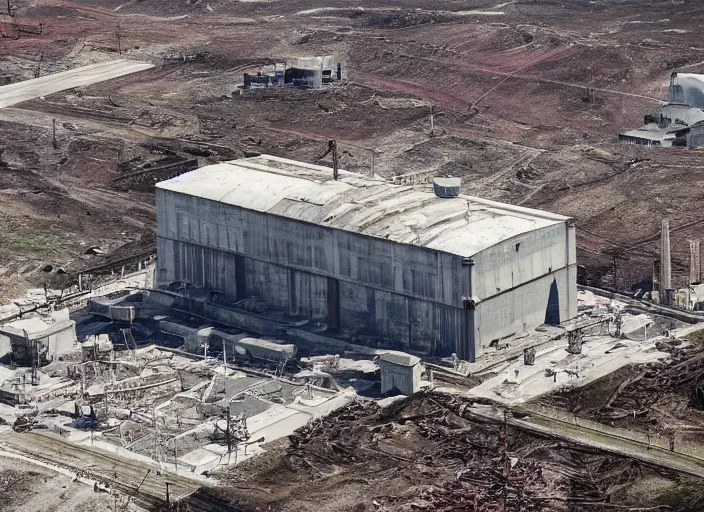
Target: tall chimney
{"points": [[665, 265], [695, 262]]}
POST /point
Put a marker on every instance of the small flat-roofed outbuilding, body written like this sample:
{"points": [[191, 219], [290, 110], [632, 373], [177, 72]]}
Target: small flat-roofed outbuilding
{"points": [[400, 372]]}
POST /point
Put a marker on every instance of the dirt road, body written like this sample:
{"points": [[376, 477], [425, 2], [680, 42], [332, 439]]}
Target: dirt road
{"points": [[82, 125], [22, 91], [521, 75]]}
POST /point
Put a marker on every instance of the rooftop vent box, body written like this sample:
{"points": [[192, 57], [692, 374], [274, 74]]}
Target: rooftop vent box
{"points": [[447, 187]]}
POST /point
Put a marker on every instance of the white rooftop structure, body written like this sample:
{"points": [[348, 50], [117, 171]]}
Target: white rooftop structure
{"points": [[463, 226]]}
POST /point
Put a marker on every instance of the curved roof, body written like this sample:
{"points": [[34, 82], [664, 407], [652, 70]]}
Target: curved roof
{"points": [[463, 225]]}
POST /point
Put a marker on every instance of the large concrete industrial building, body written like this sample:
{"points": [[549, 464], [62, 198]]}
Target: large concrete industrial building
{"points": [[362, 259]]}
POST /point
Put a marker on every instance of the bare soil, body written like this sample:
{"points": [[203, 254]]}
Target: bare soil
{"points": [[25, 487], [507, 83]]}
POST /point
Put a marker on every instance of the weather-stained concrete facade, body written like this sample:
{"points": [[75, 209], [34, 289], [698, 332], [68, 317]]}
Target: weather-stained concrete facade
{"points": [[375, 262]]}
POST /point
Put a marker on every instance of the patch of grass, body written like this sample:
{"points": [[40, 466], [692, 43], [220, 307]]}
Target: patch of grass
{"points": [[684, 496], [29, 243], [15, 238], [696, 337], [11, 287]]}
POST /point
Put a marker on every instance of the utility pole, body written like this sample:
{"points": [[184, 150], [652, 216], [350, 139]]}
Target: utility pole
{"points": [[332, 148], [616, 254], [432, 121], [38, 72], [176, 455], [35, 360], [224, 356], [335, 171], [83, 380], [53, 133], [229, 434], [9, 10], [506, 462], [119, 37]]}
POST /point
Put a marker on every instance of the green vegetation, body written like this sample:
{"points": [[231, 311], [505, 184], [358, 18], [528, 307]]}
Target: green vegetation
{"points": [[28, 243], [684, 496], [697, 337], [18, 239]]}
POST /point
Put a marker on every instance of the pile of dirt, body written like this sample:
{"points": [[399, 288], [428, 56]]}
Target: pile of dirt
{"points": [[429, 452]]}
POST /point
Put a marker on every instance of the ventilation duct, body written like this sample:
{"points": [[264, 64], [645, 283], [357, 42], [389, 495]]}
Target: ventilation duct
{"points": [[447, 187]]}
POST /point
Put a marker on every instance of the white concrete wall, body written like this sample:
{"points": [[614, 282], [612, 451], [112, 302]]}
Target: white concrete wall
{"points": [[5, 345], [411, 297], [405, 379], [519, 260], [412, 271], [523, 308], [512, 281], [63, 340]]}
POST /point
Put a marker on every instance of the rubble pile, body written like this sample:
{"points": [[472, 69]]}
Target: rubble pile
{"points": [[653, 396], [430, 452]]}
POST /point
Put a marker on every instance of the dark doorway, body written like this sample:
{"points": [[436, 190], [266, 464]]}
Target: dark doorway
{"points": [[240, 278], [333, 304], [552, 313]]}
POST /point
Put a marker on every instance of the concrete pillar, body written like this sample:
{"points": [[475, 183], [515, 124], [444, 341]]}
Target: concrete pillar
{"points": [[333, 303], [665, 263], [695, 265], [571, 289]]}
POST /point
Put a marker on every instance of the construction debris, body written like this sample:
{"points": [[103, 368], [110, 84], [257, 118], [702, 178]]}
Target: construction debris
{"points": [[659, 398], [431, 452]]}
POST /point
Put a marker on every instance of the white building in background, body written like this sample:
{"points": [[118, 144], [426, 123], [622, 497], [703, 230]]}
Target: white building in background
{"points": [[371, 262]]}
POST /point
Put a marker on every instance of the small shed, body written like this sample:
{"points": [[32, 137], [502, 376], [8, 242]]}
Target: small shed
{"points": [[400, 371]]}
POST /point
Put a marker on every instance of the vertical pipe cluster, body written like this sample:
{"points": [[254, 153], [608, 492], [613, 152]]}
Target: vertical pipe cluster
{"points": [[665, 264], [695, 262]]}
